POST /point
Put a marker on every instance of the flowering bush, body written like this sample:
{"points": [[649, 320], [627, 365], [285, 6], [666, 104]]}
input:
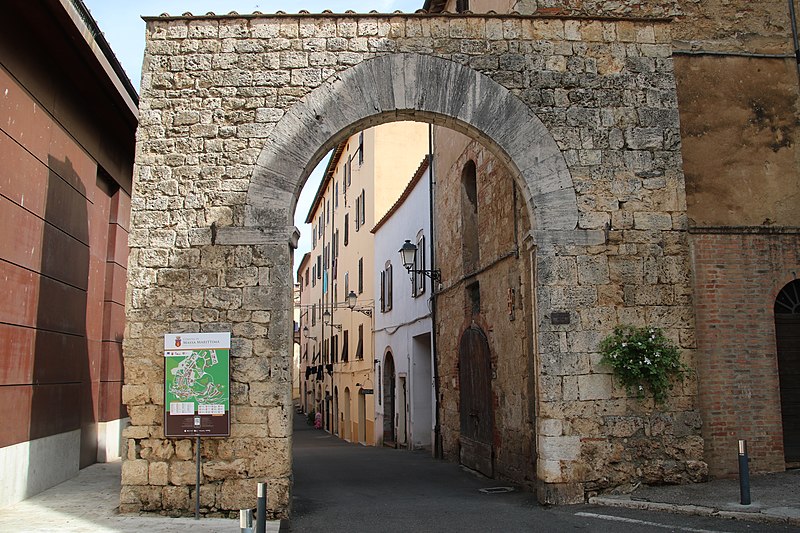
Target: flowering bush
{"points": [[643, 357]]}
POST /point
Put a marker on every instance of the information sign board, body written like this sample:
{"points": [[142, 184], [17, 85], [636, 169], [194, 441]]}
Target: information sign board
{"points": [[197, 385]]}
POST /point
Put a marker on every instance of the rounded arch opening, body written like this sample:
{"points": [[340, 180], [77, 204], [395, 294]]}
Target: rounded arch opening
{"points": [[411, 87], [787, 343]]}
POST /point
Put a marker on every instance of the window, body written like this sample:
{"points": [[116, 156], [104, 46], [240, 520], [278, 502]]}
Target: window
{"points": [[314, 277], [326, 254], [313, 236], [363, 209], [345, 346], [358, 212], [386, 288], [346, 283], [336, 195], [470, 247], [319, 266], [346, 228], [418, 279], [360, 347], [314, 315], [360, 275], [361, 148], [462, 5], [306, 276], [328, 213], [336, 245], [348, 171], [335, 349]]}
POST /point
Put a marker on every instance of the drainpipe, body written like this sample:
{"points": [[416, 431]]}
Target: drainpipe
{"points": [[437, 432], [794, 35]]}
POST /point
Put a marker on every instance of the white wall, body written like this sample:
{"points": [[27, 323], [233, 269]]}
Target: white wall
{"points": [[409, 317], [32, 466]]}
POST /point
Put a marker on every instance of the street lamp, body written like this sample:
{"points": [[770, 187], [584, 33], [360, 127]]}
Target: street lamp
{"points": [[326, 319], [408, 253], [352, 300], [306, 335]]}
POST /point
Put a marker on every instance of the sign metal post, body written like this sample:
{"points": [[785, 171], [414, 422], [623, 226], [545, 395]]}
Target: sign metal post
{"points": [[197, 390]]}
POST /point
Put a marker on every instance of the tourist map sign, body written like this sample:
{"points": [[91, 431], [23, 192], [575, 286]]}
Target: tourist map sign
{"points": [[197, 385]]}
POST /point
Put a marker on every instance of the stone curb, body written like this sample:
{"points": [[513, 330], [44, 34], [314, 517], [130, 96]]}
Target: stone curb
{"points": [[697, 510]]}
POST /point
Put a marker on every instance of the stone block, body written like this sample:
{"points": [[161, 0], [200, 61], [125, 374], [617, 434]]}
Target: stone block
{"points": [[549, 471], [184, 449], [135, 394], [595, 387], [278, 422], [159, 473], [220, 470], [183, 473], [157, 449], [178, 498], [135, 472], [550, 427], [238, 494], [563, 448]]}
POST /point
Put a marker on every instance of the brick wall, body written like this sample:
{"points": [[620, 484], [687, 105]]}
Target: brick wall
{"points": [[737, 277]]}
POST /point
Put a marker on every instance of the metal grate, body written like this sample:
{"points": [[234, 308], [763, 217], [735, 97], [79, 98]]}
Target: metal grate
{"points": [[497, 490]]}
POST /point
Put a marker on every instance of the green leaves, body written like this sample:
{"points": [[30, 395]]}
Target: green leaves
{"points": [[643, 358]]}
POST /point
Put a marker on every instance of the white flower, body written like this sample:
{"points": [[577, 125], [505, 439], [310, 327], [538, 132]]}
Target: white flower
{"points": [[646, 361], [624, 344]]}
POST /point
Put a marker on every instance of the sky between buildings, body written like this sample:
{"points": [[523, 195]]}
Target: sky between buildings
{"points": [[121, 23]]}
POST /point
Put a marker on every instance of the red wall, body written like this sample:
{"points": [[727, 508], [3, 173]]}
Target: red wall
{"points": [[63, 255], [737, 277]]}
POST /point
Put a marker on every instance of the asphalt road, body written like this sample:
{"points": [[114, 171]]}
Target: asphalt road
{"points": [[340, 486]]}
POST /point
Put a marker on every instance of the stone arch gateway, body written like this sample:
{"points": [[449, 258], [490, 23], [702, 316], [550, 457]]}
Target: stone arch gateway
{"points": [[237, 109], [412, 86]]}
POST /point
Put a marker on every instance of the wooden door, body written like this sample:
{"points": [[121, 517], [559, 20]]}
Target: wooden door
{"points": [[477, 416]]}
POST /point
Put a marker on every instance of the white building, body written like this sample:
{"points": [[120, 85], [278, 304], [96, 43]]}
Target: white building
{"points": [[404, 372]]}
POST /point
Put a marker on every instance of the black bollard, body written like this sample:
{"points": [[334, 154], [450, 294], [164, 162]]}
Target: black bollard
{"points": [[744, 474], [261, 509]]}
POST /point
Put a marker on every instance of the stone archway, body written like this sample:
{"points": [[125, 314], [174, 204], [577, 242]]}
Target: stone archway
{"points": [[235, 112], [413, 87]]}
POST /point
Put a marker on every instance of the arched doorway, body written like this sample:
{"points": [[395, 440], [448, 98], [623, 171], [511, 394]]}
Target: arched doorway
{"points": [[476, 410], [787, 340], [362, 417], [346, 410], [389, 410], [336, 410]]}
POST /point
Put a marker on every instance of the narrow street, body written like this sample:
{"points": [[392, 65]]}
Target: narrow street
{"points": [[339, 486]]}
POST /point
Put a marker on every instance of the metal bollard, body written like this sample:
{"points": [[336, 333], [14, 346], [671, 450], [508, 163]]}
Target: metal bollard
{"points": [[246, 520], [744, 474], [261, 510]]}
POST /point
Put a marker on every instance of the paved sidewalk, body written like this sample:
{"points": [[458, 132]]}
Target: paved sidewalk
{"points": [[88, 504], [775, 498]]}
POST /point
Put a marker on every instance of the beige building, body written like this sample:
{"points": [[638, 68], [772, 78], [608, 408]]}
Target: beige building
{"points": [[364, 177]]}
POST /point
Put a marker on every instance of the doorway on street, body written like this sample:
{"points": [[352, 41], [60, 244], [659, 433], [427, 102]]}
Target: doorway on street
{"points": [[787, 340], [346, 412], [389, 390], [477, 420], [402, 438]]}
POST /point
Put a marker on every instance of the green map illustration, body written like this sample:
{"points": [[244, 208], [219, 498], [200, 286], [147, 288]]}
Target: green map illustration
{"points": [[201, 376]]}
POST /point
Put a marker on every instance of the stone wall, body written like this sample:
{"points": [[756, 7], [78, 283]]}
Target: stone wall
{"points": [[236, 111], [506, 309]]}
